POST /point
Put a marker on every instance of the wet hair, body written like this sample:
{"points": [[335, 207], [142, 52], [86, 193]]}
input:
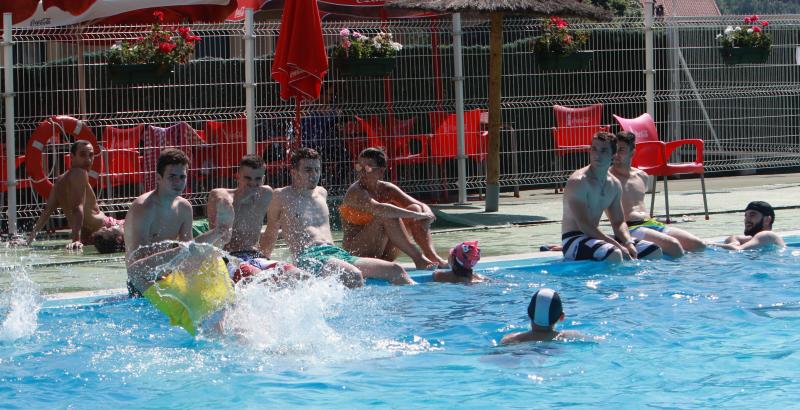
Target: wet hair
{"points": [[458, 269], [303, 153], [545, 299], [627, 137], [376, 154], [252, 161], [170, 156], [73, 149], [762, 207], [606, 137], [105, 244]]}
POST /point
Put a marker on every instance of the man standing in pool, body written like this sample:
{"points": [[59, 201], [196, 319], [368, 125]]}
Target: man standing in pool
{"points": [[758, 219], [590, 192], [300, 210], [164, 215], [673, 241], [72, 192]]}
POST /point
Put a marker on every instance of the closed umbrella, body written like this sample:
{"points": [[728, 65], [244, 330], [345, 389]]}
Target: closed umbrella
{"points": [[301, 61], [496, 9]]}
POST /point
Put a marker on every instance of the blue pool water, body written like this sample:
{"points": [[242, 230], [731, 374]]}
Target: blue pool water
{"points": [[717, 329]]}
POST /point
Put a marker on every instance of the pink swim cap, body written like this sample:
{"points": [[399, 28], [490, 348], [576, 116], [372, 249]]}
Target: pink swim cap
{"points": [[467, 254]]}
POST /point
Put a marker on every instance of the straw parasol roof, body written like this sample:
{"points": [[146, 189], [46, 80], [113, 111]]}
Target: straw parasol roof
{"points": [[563, 8], [496, 9]]}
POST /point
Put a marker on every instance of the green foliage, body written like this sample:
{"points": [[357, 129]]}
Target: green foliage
{"points": [[558, 39], [622, 8], [751, 35], [354, 45], [160, 46]]}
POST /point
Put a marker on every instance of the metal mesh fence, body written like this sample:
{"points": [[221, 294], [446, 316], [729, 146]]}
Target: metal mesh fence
{"points": [[744, 113]]}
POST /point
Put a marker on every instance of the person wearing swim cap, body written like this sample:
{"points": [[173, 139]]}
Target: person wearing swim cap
{"points": [[590, 192], [673, 241], [545, 310], [758, 220], [463, 258]]}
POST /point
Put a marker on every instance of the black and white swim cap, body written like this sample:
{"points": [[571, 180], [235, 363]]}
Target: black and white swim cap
{"points": [[545, 308]]}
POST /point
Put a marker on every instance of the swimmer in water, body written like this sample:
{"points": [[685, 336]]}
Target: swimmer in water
{"points": [[463, 258], [758, 219], [545, 310]]}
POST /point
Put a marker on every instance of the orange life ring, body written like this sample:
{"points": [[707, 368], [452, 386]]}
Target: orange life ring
{"points": [[42, 135]]}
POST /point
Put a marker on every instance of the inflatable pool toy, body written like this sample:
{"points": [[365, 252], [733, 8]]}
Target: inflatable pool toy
{"points": [[187, 298]]}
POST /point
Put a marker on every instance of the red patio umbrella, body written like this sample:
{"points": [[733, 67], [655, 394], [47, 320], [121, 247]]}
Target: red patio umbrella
{"points": [[301, 61], [54, 13], [20, 9]]}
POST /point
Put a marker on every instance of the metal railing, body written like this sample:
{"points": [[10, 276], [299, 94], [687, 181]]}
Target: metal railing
{"points": [[745, 113]]}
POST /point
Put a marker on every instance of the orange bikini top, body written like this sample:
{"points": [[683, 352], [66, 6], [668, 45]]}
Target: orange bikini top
{"points": [[354, 216]]}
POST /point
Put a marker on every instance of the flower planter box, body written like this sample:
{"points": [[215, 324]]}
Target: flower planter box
{"points": [[577, 61], [140, 73], [367, 67], [744, 55]]}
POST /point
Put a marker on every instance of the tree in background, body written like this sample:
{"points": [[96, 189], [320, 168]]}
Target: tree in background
{"points": [[627, 8], [758, 6]]}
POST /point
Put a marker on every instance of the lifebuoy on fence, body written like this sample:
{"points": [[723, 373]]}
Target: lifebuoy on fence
{"points": [[46, 130]]}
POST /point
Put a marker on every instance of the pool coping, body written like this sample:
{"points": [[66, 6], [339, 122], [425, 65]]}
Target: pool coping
{"points": [[62, 299]]}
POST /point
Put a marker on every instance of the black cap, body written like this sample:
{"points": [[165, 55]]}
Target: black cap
{"points": [[762, 207]]}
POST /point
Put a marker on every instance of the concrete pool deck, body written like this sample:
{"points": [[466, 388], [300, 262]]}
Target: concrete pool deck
{"points": [[520, 227]]}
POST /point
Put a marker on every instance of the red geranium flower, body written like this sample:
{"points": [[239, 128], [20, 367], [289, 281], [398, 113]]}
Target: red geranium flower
{"points": [[764, 23], [756, 29], [166, 47], [192, 39], [184, 31]]}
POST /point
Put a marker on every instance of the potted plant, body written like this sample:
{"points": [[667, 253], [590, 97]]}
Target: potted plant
{"points": [[151, 58], [358, 54], [749, 45], [560, 48]]}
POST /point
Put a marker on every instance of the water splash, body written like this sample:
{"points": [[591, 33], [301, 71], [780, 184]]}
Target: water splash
{"points": [[19, 307], [289, 320]]}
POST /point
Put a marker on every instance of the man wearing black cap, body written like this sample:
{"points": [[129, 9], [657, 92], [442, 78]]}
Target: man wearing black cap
{"points": [[758, 219]]}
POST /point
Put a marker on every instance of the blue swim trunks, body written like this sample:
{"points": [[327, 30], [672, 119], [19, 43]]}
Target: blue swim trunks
{"points": [[314, 257]]}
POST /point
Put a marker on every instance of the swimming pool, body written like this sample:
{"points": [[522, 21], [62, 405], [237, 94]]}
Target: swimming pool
{"points": [[713, 329]]}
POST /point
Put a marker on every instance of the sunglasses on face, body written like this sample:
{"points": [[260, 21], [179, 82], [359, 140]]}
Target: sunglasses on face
{"points": [[365, 168]]}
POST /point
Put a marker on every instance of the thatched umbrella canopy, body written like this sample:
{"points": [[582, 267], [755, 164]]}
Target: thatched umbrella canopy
{"points": [[496, 9]]}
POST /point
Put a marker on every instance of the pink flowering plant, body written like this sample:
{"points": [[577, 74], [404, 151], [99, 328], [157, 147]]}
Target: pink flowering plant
{"points": [[354, 45], [752, 35], [161, 45], [558, 39]]}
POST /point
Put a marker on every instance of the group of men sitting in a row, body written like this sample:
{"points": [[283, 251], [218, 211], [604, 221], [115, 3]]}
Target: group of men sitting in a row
{"points": [[379, 220]]}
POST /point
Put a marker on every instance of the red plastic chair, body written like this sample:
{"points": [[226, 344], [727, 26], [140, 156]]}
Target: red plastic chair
{"points": [[230, 141], [398, 148], [652, 156], [123, 138], [575, 127], [121, 153], [22, 181]]}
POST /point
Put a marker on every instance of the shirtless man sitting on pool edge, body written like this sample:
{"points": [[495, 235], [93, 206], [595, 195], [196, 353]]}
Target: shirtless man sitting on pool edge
{"points": [[300, 211], [590, 192]]}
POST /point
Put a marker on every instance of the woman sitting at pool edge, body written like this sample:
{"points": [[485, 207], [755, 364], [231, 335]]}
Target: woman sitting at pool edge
{"points": [[377, 217]]}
